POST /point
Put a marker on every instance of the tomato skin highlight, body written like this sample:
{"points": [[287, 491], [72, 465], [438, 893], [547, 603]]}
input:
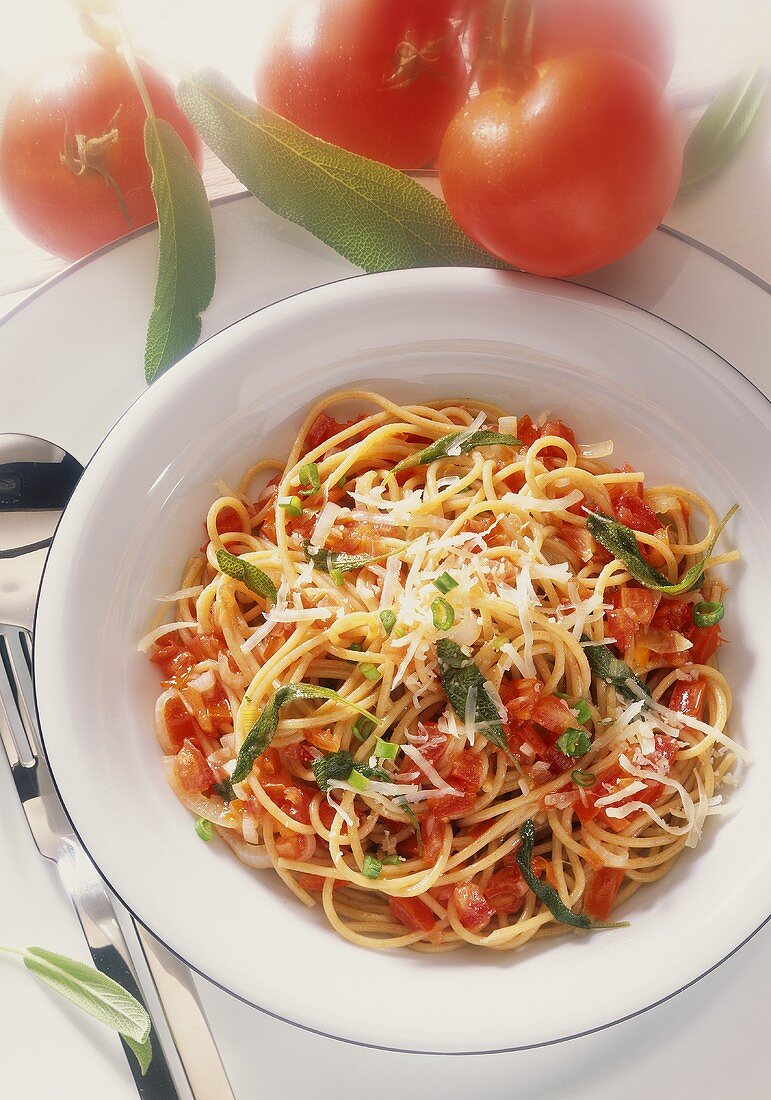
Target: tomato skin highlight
{"points": [[571, 174], [68, 214], [330, 70], [473, 909]]}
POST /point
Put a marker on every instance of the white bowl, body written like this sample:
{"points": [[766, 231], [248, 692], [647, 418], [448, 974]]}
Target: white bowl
{"points": [[675, 410]]}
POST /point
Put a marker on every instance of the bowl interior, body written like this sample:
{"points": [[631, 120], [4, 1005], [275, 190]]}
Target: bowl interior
{"points": [[673, 408]]}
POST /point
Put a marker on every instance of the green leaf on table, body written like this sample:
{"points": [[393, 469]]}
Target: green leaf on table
{"points": [[185, 280], [723, 127], [91, 991], [143, 1052], [373, 215]]}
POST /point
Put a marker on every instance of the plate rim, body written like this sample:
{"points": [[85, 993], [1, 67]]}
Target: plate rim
{"points": [[334, 288]]}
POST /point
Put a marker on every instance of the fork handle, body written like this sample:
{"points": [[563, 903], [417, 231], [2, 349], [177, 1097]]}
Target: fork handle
{"points": [[110, 954]]}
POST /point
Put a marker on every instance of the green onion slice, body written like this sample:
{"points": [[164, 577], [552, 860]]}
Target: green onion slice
{"points": [[357, 780], [583, 779], [362, 728], [392, 861], [371, 867], [372, 672], [574, 742], [445, 583], [388, 619], [204, 828], [708, 613], [442, 613], [309, 478], [293, 506], [385, 750], [581, 708]]}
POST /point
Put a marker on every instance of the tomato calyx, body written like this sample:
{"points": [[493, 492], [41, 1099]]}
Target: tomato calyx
{"points": [[412, 62], [84, 154]]}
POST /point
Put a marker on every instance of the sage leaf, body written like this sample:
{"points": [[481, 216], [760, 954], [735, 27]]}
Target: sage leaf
{"points": [[337, 561], [371, 214], [254, 579], [261, 734], [547, 894], [722, 128], [613, 670], [185, 279], [143, 1052], [91, 991], [458, 674], [621, 542], [339, 765], [441, 448]]}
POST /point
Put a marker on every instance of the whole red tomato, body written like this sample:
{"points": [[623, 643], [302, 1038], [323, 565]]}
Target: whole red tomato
{"points": [[636, 28], [379, 77], [73, 173], [570, 173]]}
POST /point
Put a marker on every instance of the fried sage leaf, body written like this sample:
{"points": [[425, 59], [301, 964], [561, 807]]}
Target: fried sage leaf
{"points": [[459, 674]]}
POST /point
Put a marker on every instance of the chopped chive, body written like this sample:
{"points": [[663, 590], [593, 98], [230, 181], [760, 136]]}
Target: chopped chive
{"points": [[341, 483], [499, 641], [385, 750], [309, 477], [371, 867], [362, 728], [204, 828], [583, 779], [293, 506], [357, 647], [582, 711], [400, 631], [337, 576], [442, 613], [372, 672], [445, 583], [574, 742], [388, 619], [357, 780], [707, 613], [562, 695], [392, 861]]}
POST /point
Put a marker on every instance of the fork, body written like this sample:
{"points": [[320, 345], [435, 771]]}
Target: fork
{"points": [[56, 840]]}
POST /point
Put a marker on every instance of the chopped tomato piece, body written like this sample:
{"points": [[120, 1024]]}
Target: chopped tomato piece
{"points": [[705, 640], [520, 698], [448, 806], [228, 520], [432, 834], [618, 490], [413, 913], [660, 760], [635, 513], [672, 614], [466, 771], [640, 604], [272, 775], [578, 539], [506, 891], [473, 909], [322, 429], [621, 627], [554, 714], [687, 697], [601, 893], [300, 754], [315, 883], [324, 739], [527, 432], [295, 803], [179, 723], [193, 772], [442, 893], [556, 427], [529, 747]]}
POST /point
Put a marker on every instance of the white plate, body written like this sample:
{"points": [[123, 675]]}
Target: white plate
{"points": [[675, 409]]}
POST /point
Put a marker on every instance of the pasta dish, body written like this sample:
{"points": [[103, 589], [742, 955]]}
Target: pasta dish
{"points": [[449, 673]]}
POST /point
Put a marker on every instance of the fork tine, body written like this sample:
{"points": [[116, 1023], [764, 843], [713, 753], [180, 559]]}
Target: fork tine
{"points": [[17, 655], [14, 734]]}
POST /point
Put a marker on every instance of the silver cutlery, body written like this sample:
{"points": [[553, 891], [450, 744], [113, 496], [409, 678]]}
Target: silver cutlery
{"points": [[36, 480]]}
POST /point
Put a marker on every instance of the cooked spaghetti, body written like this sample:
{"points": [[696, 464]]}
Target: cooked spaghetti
{"points": [[451, 676]]}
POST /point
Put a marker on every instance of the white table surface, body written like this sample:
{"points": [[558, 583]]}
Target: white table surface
{"points": [[706, 1044]]}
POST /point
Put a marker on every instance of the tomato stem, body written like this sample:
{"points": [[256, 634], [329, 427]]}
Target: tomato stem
{"points": [[83, 154]]}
